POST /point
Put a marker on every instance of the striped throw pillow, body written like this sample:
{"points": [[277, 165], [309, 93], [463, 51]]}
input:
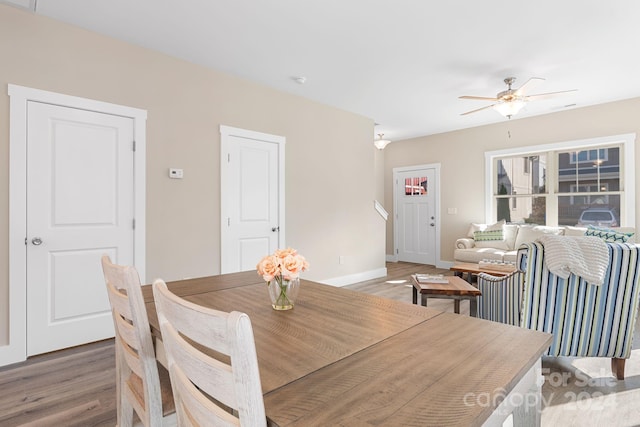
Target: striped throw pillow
{"points": [[607, 234], [490, 239], [488, 236]]}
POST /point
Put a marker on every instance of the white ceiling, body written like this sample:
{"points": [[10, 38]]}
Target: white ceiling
{"points": [[402, 63]]}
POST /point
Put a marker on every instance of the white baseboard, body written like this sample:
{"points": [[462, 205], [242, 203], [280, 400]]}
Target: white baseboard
{"points": [[355, 278], [10, 354], [439, 264], [371, 274]]}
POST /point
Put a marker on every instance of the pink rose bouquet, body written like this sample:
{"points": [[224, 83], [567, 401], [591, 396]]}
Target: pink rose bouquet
{"points": [[284, 264], [281, 271]]}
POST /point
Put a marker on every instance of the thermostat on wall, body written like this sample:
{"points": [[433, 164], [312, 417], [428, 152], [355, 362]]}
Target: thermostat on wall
{"points": [[176, 173]]}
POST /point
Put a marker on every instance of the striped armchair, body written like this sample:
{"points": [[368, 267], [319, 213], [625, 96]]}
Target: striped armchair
{"points": [[585, 320], [501, 298]]}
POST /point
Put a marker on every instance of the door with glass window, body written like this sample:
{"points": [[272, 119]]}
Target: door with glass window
{"points": [[416, 215]]}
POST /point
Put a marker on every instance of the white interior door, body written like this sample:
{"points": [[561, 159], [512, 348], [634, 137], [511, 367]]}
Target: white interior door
{"points": [[416, 215], [251, 194], [80, 205]]}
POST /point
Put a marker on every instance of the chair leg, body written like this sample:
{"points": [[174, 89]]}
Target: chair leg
{"points": [[119, 396], [126, 411], [617, 367]]}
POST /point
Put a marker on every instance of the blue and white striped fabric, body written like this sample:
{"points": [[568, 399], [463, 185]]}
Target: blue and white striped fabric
{"points": [[585, 320], [501, 298]]}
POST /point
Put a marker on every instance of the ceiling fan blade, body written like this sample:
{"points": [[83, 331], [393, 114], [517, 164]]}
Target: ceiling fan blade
{"points": [[478, 109], [547, 95], [528, 85], [478, 98]]}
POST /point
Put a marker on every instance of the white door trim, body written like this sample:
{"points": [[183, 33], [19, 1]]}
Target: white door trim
{"points": [[225, 133], [16, 349], [396, 171]]}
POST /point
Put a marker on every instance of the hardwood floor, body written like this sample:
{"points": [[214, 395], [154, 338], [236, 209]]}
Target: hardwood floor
{"points": [[76, 387], [73, 387]]}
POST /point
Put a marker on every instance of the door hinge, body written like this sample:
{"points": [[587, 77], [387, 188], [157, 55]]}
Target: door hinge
{"points": [[397, 251], [228, 157], [229, 222], [25, 241], [134, 146], [134, 223]]}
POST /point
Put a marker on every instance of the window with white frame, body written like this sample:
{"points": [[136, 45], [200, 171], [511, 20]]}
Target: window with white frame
{"points": [[555, 183]]}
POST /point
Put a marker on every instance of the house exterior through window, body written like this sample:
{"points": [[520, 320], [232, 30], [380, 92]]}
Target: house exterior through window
{"points": [[557, 183]]}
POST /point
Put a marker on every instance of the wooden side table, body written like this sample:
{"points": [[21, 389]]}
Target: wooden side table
{"points": [[456, 289]]}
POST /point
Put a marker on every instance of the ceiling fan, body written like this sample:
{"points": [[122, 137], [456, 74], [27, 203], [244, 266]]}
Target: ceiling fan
{"points": [[510, 101]]}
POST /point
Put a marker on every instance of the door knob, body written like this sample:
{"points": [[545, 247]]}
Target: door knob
{"points": [[432, 224], [36, 241], [274, 229]]}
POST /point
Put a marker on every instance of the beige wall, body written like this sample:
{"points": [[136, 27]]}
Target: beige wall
{"points": [[461, 155], [330, 158]]}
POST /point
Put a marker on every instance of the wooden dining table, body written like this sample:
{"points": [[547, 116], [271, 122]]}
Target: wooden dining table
{"points": [[347, 358]]}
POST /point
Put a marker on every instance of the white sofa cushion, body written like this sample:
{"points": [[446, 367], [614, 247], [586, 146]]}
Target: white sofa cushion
{"points": [[574, 231], [510, 234], [529, 233], [475, 227], [476, 255]]}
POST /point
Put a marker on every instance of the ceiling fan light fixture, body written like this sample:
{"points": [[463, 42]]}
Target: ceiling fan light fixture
{"points": [[509, 108], [509, 102], [381, 143]]}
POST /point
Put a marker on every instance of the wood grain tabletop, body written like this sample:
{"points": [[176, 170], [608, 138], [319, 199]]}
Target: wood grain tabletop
{"points": [[342, 357]]}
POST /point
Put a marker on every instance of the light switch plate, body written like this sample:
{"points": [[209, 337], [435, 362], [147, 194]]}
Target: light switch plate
{"points": [[176, 173]]}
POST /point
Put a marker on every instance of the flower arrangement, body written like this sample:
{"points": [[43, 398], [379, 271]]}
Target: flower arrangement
{"points": [[281, 271]]}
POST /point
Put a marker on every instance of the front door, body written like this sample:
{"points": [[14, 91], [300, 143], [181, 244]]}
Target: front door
{"points": [[416, 215], [80, 205], [252, 187]]}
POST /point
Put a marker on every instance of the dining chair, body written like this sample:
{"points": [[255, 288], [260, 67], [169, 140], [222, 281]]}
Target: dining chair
{"points": [[142, 384], [212, 362]]}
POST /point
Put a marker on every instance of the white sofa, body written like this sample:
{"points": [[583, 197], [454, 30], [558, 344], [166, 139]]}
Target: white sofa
{"points": [[468, 250]]}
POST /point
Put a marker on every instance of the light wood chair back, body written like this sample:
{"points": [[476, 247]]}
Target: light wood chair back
{"points": [[141, 385], [212, 363]]}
